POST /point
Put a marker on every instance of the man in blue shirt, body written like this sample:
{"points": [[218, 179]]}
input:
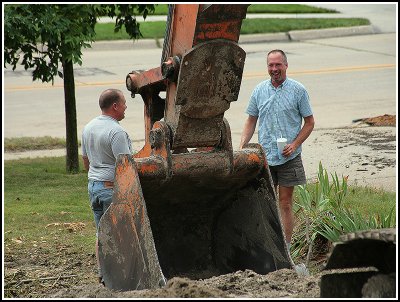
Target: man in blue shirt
{"points": [[281, 104]]}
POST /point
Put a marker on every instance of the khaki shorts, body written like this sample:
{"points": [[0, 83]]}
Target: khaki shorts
{"points": [[289, 174]]}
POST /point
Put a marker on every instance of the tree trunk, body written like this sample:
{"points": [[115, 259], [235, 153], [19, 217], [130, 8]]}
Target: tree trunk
{"points": [[70, 118]]}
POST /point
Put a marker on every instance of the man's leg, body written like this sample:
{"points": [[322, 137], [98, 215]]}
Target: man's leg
{"points": [[100, 274], [101, 198], [286, 208]]}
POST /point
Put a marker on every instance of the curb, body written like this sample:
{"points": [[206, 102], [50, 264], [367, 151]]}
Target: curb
{"points": [[126, 44], [261, 38], [295, 35]]}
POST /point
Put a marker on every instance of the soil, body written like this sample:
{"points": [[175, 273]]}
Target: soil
{"points": [[241, 284], [364, 151], [55, 269], [66, 274], [382, 120]]}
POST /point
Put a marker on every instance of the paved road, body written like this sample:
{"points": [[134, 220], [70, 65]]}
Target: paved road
{"points": [[347, 77]]}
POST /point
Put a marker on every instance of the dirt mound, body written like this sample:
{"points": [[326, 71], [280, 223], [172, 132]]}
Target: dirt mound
{"points": [[241, 284], [381, 120], [60, 271]]}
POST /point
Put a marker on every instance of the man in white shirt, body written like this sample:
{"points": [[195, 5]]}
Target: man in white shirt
{"points": [[103, 138]]}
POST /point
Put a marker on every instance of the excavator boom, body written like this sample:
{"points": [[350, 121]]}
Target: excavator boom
{"points": [[187, 204]]}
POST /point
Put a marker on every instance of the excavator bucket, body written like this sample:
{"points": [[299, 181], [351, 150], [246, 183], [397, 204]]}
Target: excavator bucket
{"points": [[128, 254], [362, 265], [187, 204]]}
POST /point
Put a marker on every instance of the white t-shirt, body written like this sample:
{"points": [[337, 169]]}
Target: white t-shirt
{"points": [[103, 139]]}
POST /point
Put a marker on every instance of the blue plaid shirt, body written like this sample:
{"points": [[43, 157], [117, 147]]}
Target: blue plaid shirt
{"points": [[280, 113]]}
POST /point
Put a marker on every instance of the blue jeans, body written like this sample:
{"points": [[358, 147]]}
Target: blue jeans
{"points": [[100, 199]]}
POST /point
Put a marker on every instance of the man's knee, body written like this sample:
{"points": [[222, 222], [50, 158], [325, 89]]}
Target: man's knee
{"points": [[286, 194], [286, 205]]}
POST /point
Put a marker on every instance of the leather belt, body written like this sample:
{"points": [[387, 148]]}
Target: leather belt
{"points": [[108, 184]]}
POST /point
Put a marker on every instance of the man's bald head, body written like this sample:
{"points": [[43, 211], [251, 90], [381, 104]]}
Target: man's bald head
{"points": [[109, 97]]}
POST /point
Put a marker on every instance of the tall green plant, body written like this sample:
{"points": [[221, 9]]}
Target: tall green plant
{"points": [[339, 189], [313, 207], [322, 212], [346, 221]]}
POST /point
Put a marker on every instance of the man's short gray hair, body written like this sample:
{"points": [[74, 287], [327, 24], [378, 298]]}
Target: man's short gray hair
{"points": [[278, 51], [109, 97]]}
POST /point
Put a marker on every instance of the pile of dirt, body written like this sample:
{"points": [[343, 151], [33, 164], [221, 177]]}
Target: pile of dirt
{"points": [[61, 271], [284, 283], [381, 120]]}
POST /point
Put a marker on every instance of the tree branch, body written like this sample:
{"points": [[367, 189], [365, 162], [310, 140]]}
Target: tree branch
{"points": [[42, 279]]}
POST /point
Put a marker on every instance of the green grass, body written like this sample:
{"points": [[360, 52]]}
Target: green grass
{"points": [[156, 29], [26, 143], [287, 9], [162, 9], [149, 30], [253, 26], [368, 201], [33, 143], [38, 195]]}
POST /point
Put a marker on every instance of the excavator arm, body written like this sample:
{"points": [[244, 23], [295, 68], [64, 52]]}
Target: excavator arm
{"points": [[187, 204]]}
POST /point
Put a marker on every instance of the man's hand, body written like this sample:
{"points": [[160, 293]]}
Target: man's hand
{"points": [[248, 130], [289, 149], [86, 163], [301, 137]]}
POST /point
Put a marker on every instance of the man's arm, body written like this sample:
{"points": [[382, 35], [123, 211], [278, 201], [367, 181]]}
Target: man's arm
{"points": [[248, 130], [301, 137], [121, 143], [86, 163]]}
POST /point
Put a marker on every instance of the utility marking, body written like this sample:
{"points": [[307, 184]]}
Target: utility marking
{"points": [[49, 86]]}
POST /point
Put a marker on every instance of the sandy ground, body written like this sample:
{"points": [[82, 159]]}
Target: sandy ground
{"points": [[367, 154]]}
